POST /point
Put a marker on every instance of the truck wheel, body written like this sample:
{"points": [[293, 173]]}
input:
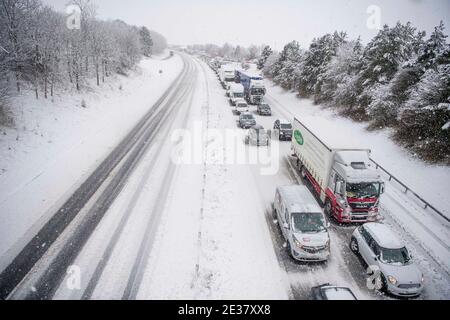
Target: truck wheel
{"points": [[288, 248], [384, 285], [303, 172], [354, 246], [328, 208]]}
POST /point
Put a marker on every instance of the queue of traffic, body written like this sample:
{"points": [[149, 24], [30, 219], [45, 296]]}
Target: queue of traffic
{"points": [[344, 181]]}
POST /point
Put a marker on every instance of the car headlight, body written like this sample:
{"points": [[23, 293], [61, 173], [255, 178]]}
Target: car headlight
{"points": [[392, 280], [298, 244]]}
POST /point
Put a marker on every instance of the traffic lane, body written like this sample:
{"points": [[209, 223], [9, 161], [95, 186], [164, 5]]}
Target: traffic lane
{"points": [[344, 268]]}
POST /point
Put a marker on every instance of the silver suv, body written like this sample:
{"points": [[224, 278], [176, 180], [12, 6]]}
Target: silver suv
{"points": [[380, 248]]}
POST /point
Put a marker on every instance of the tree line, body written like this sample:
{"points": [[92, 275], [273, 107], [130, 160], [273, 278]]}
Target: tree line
{"points": [[400, 80], [39, 50], [228, 51]]}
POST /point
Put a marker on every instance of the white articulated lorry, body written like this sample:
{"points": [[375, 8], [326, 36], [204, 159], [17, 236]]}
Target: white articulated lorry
{"points": [[346, 181]]}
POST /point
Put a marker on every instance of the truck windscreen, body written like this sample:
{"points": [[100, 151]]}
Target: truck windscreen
{"points": [[258, 91], [363, 190]]}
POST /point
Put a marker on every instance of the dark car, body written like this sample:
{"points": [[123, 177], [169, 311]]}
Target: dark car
{"points": [[246, 120], [283, 130], [264, 109], [329, 292]]}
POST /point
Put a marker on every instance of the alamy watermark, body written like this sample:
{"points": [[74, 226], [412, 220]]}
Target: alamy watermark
{"points": [[73, 278], [73, 20], [374, 281], [200, 145], [374, 19]]}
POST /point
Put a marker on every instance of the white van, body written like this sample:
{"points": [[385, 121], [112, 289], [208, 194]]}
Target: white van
{"points": [[302, 223], [236, 92]]}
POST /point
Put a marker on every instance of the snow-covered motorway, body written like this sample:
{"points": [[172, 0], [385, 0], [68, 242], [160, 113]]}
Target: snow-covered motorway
{"points": [[157, 227]]}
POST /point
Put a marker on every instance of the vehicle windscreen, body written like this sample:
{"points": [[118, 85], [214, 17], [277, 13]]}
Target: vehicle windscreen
{"points": [[242, 105], [399, 257], [238, 95], [363, 190], [339, 294], [247, 117], [258, 91], [286, 126], [308, 222], [265, 106]]}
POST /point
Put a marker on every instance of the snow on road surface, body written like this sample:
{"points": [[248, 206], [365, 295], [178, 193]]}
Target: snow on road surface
{"points": [[209, 238], [426, 233], [214, 242], [430, 181], [205, 229], [59, 143]]}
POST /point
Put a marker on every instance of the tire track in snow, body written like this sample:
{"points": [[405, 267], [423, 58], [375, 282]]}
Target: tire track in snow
{"points": [[130, 208], [45, 281], [140, 265]]}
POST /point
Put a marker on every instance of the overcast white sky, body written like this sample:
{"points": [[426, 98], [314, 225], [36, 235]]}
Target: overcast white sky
{"points": [[273, 22]]}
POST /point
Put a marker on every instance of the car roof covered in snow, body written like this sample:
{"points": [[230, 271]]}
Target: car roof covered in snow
{"points": [[338, 293], [236, 86], [284, 121], [384, 236], [299, 199]]}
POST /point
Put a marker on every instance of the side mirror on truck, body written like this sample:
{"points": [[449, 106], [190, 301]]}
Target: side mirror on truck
{"points": [[340, 188], [383, 188]]}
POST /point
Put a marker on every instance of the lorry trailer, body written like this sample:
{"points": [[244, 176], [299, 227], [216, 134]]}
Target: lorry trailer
{"points": [[346, 181], [254, 86]]}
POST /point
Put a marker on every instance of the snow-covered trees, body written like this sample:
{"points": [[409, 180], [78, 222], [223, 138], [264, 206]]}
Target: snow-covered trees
{"points": [[269, 65], [146, 41], [39, 51], [315, 61], [400, 79], [339, 77], [287, 64], [265, 54], [227, 51], [159, 42]]}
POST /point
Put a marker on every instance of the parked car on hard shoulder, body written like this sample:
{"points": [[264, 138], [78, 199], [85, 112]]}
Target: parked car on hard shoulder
{"points": [[380, 248], [283, 130], [264, 109], [302, 223], [258, 136], [329, 292], [246, 120], [241, 106]]}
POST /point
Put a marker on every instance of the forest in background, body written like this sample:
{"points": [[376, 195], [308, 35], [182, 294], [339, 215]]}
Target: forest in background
{"points": [[41, 51], [399, 80]]}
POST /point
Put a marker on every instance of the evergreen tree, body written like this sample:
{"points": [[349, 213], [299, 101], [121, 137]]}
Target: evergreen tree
{"points": [[340, 73], [267, 51], [284, 69], [319, 55]]}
